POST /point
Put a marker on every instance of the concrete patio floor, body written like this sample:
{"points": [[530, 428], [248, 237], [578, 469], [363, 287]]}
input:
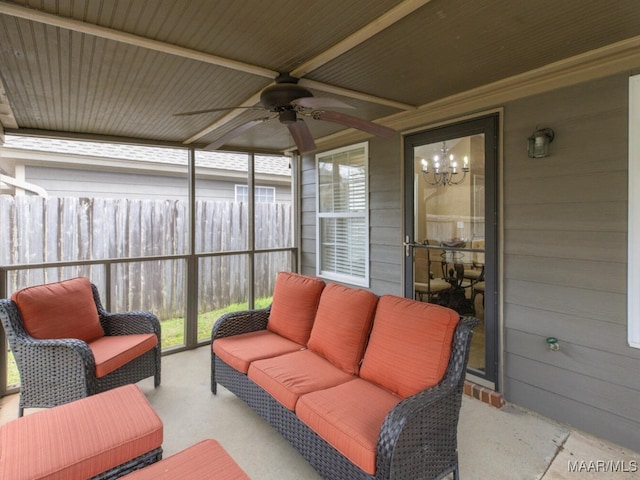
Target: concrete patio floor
{"points": [[494, 444]]}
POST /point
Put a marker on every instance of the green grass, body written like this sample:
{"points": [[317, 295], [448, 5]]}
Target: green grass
{"points": [[172, 331]]}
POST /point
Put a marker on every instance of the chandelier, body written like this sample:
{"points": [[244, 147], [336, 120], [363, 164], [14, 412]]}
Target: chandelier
{"points": [[444, 168]]}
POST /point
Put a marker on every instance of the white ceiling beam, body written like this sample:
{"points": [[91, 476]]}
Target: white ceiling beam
{"points": [[379, 24], [130, 39], [394, 15], [137, 41], [325, 87]]}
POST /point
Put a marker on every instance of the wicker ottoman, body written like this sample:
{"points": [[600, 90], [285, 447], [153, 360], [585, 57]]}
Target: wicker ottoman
{"points": [[202, 461], [102, 436]]}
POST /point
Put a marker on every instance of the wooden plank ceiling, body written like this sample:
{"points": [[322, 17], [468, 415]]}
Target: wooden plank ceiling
{"points": [[123, 68]]}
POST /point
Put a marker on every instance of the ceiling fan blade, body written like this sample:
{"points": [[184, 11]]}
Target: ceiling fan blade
{"points": [[234, 133], [320, 102], [302, 136], [354, 122], [223, 109]]}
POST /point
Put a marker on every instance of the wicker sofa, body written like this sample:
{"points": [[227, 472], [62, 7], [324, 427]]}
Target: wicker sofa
{"points": [[364, 387]]}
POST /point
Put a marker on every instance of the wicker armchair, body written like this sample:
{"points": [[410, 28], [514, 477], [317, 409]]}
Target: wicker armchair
{"points": [[59, 370]]}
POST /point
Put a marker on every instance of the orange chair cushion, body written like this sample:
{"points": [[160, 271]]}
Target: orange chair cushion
{"points": [[238, 351], [295, 301], [349, 417], [80, 439], [110, 353], [60, 310], [288, 376], [342, 325], [206, 459], [410, 345]]}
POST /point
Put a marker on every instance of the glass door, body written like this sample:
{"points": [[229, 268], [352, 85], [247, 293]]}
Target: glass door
{"points": [[451, 227]]}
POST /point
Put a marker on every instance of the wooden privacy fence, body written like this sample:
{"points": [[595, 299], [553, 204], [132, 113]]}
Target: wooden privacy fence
{"points": [[36, 230]]}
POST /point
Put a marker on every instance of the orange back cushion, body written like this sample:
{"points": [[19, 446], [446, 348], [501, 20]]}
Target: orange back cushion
{"points": [[295, 301], [342, 325], [60, 310], [410, 345]]}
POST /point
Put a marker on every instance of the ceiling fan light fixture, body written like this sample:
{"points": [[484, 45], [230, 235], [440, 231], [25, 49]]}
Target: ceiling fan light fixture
{"points": [[287, 116]]}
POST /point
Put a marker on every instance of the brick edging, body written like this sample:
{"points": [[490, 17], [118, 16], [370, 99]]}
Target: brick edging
{"points": [[485, 395]]}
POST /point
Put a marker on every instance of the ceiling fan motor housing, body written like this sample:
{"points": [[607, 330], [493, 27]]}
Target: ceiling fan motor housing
{"points": [[280, 95]]}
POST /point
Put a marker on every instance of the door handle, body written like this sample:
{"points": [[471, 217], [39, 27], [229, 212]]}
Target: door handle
{"points": [[407, 246]]}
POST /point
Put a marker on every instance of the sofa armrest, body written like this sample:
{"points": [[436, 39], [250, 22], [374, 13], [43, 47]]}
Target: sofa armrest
{"points": [[428, 419], [235, 323]]}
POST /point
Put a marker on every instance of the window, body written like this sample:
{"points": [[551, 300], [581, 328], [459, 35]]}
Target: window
{"points": [[262, 194], [633, 281], [342, 215]]}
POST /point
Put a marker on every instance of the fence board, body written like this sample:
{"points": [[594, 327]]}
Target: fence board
{"points": [[38, 230]]}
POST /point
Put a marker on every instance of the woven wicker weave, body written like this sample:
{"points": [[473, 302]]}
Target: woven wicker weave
{"points": [[136, 464], [53, 372], [417, 441]]}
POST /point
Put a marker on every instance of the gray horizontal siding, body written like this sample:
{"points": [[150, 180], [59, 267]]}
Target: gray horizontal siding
{"points": [[385, 220], [565, 227], [64, 182], [308, 215], [385, 217], [564, 256], [553, 405]]}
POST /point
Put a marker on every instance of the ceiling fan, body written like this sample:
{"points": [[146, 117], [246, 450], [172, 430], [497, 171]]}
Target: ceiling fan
{"points": [[287, 101]]}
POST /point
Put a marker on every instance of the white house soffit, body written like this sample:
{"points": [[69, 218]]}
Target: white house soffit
{"points": [[23, 185]]}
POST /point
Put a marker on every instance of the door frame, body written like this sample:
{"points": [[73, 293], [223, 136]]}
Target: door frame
{"points": [[489, 124]]}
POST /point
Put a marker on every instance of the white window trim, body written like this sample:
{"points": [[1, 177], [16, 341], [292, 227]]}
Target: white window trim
{"points": [[328, 275], [633, 244]]}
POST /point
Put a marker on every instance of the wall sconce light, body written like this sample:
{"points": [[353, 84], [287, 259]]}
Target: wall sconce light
{"points": [[538, 143]]}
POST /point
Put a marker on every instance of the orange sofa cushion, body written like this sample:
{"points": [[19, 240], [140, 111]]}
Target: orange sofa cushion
{"points": [[112, 352], [238, 351], [410, 345], [295, 301], [349, 417], [80, 439], [288, 376], [206, 459], [60, 310], [342, 325]]}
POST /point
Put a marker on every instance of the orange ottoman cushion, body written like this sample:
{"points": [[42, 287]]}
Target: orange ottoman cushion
{"points": [[410, 345], [206, 459], [349, 417], [295, 301], [80, 439], [60, 310], [342, 325], [238, 351]]}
